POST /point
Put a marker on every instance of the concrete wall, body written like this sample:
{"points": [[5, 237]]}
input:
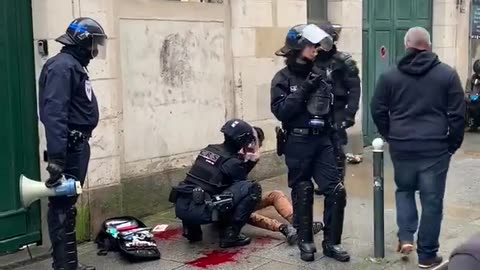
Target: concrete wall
{"points": [[451, 34]]}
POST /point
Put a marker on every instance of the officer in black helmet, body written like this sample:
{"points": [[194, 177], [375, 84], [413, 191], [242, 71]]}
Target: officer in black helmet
{"points": [[302, 100], [216, 188], [69, 112], [343, 74]]}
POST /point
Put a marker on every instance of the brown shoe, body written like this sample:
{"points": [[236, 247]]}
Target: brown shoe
{"points": [[405, 247]]}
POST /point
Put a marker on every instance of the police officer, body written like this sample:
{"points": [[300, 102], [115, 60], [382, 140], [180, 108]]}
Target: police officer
{"points": [[69, 112], [217, 185], [302, 101], [342, 73]]}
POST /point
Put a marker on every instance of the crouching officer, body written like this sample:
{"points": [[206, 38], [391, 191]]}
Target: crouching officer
{"points": [[343, 74], [216, 188], [302, 101], [69, 112]]}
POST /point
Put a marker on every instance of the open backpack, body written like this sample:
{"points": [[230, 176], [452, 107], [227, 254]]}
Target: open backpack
{"points": [[130, 237]]}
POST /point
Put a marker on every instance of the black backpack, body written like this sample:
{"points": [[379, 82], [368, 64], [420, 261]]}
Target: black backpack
{"points": [[129, 236]]}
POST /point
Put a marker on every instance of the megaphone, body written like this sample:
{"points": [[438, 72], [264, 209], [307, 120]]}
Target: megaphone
{"points": [[31, 190]]}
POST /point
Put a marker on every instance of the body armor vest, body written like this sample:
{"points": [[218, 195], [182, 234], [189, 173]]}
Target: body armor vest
{"points": [[206, 171], [334, 74]]}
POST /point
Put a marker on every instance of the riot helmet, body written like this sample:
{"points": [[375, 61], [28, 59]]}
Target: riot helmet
{"points": [[238, 132], [476, 67], [88, 34], [299, 36], [333, 30]]}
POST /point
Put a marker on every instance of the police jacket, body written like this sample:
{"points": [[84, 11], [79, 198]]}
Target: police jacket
{"points": [[215, 169], [343, 74], [66, 101], [288, 97]]}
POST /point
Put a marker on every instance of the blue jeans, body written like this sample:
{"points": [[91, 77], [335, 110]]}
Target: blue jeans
{"points": [[427, 175]]}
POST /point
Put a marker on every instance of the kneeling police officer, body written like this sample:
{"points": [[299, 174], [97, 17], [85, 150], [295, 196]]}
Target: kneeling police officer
{"points": [[302, 100], [216, 188]]}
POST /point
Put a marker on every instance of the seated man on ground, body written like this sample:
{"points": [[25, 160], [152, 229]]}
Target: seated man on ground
{"points": [[275, 198], [216, 189]]}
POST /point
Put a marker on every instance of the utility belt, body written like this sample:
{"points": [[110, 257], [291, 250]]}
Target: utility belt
{"points": [[282, 135], [218, 204]]}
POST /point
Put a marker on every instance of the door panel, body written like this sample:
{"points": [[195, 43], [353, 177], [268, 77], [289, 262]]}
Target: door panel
{"points": [[18, 119], [387, 27]]}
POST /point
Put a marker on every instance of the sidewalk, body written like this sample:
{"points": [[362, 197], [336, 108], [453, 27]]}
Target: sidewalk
{"points": [[269, 250]]}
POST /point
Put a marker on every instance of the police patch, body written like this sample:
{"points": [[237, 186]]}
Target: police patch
{"points": [[293, 88], [209, 157], [88, 89]]}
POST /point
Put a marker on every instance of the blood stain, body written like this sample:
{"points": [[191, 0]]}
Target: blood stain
{"points": [[214, 257], [263, 240], [168, 234]]}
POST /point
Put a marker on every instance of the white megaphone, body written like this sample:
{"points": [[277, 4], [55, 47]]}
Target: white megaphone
{"points": [[31, 190]]}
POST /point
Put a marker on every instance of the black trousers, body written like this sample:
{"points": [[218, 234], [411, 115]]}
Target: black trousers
{"points": [[200, 214], [313, 156], [61, 210]]}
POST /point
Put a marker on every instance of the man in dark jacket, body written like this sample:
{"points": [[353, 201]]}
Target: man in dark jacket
{"points": [[418, 108]]}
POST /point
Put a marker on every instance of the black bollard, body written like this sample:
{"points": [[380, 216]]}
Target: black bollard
{"points": [[378, 200]]}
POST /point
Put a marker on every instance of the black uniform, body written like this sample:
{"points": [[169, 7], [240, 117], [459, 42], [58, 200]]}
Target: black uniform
{"points": [[309, 153], [218, 170], [342, 73], [69, 112]]}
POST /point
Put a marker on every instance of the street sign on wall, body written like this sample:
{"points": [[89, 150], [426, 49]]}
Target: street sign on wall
{"points": [[475, 20]]}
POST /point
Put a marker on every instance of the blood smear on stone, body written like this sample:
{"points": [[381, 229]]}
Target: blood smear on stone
{"points": [[168, 234], [215, 257]]}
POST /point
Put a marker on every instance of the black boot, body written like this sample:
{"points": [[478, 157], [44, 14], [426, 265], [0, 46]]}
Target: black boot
{"points": [[289, 232], [304, 200], [332, 233], [192, 232], [232, 237], [71, 243], [335, 251], [56, 219]]}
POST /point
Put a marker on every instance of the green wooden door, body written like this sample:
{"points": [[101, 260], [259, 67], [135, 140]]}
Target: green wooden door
{"points": [[385, 23], [18, 125]]}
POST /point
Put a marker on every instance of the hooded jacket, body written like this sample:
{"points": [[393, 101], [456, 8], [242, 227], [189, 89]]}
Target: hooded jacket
{"points": [[418, 106]]}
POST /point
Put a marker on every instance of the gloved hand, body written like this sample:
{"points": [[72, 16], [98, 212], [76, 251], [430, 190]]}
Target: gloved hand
{"points": [[348, 122], [312, 83], [55, 169]]}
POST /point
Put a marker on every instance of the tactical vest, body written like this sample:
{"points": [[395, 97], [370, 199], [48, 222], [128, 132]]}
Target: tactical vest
{"points": [[206, 171], [334, 74]]}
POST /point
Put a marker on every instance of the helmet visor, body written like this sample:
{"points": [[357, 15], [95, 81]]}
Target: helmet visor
{"points": [[99, 46], [318, 37]]}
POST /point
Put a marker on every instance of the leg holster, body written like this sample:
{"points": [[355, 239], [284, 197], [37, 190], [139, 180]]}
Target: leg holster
{"points": [[303, 193], [340, 158], [334, 213]]}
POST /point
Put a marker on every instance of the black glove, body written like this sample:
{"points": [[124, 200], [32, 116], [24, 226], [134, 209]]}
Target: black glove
{"points": [[348, 122], [55, 169], [312, 83]]}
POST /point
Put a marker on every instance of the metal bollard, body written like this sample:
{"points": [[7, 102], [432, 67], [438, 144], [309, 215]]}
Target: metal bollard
{"points": [[378, 200]]}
